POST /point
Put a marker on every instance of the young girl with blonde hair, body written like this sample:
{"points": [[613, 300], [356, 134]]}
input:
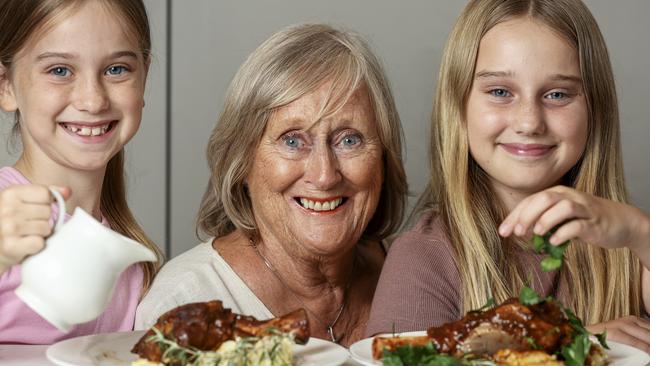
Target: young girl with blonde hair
{"points": [[74, 73], [525, 138]]}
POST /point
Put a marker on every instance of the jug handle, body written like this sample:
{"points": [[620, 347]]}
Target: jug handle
{"points": [[60, 202]]}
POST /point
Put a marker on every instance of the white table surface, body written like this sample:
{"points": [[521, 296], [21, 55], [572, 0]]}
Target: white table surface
{"points": [[34, 355]]}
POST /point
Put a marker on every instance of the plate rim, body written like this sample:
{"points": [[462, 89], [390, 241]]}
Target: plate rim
{"points": [[365, 361], [87, 342]]}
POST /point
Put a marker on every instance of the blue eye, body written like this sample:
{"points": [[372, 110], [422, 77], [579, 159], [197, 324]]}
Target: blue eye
{"points": [[556, 95], [115, 70], [501, 93], [60, 71], [351, 140], [292, 141]]}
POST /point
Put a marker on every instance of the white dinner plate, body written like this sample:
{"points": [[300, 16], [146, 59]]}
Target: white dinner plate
{"points": [[114, 349], [619, 354]]}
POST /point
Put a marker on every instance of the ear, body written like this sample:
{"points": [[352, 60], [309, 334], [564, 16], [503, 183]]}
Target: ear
{"points": [[7, 98]]}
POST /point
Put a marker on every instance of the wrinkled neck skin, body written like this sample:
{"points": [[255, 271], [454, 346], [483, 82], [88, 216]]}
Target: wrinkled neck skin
{"points": [[86, 186], [310, 275]]}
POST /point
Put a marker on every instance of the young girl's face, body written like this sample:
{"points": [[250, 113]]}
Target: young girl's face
{"points": [[79, 89], [526, 113]]}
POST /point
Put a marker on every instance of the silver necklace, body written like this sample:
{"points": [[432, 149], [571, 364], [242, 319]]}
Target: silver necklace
{"points": [[328, 327]]}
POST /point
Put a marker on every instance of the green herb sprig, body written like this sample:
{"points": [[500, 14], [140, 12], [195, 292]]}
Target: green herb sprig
{"points": [[172, 350], [577, 351], [555, 257], [528, 296], [240, 356], [410, 355]]}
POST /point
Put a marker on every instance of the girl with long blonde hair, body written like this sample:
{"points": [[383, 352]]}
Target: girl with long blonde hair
{"points": [[73, 73], [525, 139]]}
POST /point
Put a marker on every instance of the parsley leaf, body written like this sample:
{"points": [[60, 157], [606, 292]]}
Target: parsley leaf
{"points": [[576, 353], [555, 252], [602, 339], [528, 296], [410, 355], [550, 264], [575, 322]]}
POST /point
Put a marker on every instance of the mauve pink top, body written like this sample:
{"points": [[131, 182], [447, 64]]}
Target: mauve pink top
{"points": [[19, 324]]}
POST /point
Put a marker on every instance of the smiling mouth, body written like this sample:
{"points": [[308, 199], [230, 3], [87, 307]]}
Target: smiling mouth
{"points": [[89, 130], [528, 150], [320, 205]]}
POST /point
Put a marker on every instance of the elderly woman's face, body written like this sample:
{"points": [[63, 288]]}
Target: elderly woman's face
{"points": [[317, 183]]}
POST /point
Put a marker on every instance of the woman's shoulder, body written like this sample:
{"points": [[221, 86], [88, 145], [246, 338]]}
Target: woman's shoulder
{"points": [[189, 277], [199, 254], [188, 270]]}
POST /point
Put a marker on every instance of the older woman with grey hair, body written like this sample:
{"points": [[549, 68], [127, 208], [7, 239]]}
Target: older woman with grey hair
{"points": [[306, 181]]}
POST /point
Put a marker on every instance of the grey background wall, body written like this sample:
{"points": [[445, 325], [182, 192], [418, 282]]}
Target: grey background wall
{"points": [[199, 44]]}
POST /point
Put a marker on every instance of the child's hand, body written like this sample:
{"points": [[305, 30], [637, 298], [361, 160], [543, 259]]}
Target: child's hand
{"points": [[630, 330], [24, 214], [582, 216]]}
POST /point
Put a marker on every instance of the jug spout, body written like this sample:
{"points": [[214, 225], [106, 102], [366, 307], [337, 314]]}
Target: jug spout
{"points": [[130, 252]]}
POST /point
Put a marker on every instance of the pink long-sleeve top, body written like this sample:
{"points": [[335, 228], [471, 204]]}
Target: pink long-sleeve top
{"points": [[19, 324]]}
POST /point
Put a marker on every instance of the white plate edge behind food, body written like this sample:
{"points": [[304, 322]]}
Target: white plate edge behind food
{"points": [[338, 353], [361, 351], [77, 351], [93, 350]]}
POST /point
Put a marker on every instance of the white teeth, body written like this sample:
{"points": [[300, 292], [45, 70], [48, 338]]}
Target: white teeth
{"points": [[87, 131], [320, 206]]}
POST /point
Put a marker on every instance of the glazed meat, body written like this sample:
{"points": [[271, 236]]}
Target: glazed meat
{"points": [[510, 325], [206, 325]]}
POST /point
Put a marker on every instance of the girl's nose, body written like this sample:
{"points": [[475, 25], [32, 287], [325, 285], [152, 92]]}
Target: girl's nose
{"points": [[322, 168], [530, 118], [90, 96]]}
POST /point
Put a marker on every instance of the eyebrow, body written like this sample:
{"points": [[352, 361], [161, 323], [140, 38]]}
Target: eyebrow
{"points": [[564, 77], [46, 55], [496, 74], [65, 55], [493, 74]]}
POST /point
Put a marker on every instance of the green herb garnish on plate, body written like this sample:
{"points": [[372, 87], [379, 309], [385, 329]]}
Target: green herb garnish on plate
{"points": [[410, 355]]}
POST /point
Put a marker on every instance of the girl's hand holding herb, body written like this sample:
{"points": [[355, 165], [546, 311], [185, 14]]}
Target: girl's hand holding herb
{"points": [[630, 330], [578, 215]]}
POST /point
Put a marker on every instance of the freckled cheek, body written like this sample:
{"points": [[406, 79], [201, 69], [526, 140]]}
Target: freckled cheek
{"points": [[129, 99], [278, 174], [573, 129], [365, 174], [485, 123]]}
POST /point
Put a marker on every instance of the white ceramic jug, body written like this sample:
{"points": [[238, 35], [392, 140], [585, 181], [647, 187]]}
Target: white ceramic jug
{"points": [[71, 281]]}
